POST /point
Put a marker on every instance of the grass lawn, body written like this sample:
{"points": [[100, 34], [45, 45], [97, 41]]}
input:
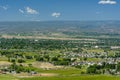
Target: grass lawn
{"points": [[3, 59], [7, 77], [63, 77], [94, 50], [68, 71], [96, 77]]}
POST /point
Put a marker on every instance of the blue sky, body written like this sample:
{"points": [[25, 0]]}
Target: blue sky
{"points": [[46, 10]]}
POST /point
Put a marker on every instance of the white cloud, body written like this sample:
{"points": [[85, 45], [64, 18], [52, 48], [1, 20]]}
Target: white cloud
{"points": [[107, 2], [21, 11], [4, 7], [31, 11], [55, 14], [28, 10]]}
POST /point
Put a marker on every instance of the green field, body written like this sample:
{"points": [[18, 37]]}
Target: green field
{"points": [[75, 78], [7, 77], [80, 77]]}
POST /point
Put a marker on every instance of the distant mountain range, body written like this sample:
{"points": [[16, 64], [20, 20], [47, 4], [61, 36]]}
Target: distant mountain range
{"points": [[62, 27]]}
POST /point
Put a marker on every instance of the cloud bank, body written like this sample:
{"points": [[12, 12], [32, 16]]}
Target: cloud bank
{"points": [[107, 2]]}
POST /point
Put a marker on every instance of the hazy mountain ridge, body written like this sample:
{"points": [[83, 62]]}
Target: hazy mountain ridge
{"points": [[65, 27]]}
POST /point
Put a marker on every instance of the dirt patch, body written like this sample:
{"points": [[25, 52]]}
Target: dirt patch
{"points": [[46, 74], [5, 63], [27, 75], [45, 65]]}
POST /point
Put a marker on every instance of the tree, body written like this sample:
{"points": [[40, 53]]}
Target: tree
{"points": [[118, 67], [39, 58], [28, 57], [13, 60], [54, 59], [91, 70], [21, 60]]}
